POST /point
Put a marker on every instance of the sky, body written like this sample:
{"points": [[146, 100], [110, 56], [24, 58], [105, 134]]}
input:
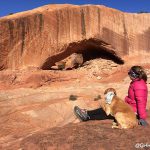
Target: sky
{"points": [[132, 6]]}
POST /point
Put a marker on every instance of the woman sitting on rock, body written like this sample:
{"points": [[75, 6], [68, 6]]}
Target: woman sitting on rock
{"points": [[137, 99]]}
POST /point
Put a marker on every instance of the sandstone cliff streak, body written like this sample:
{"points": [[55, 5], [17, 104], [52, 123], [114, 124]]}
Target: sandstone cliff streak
{"points": [[38, 22], [126, 40], [41, 22], [23, 34], [11, 28], [83, 28], [99, 21], [22, 26], [144, 41], [57, 25], [69, 20]]}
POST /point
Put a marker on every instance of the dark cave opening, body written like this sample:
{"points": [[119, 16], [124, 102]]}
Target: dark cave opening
{"points": [[90, 49], [97, 52]]}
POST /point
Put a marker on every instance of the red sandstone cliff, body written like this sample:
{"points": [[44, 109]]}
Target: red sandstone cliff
{"points": [[42, 36]]}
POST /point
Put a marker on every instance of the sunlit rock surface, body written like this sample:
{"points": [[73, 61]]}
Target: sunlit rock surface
{"points": [[45, 35]]}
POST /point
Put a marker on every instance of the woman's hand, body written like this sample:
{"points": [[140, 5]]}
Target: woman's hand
{"points": [[143, 122], [127, 100]]}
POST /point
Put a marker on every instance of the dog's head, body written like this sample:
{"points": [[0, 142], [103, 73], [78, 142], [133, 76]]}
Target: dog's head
{"points": [[110, 90], [109, 94]]}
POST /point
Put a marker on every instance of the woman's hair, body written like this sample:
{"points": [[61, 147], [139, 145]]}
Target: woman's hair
{"points": [[139, 71]]}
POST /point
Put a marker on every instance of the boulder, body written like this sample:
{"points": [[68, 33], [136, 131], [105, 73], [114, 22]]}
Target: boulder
{"points": [[73, 61]]}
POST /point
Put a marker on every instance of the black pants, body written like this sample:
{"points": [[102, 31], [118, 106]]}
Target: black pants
{"points": [[99, 114]]}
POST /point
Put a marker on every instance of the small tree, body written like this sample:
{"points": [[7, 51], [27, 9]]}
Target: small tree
{"points": [[140, 12], [10, 14]]}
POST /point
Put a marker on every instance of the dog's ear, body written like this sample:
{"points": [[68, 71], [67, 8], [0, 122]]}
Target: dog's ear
{"points": [[106, 91], [110, 90], [114, 91]]}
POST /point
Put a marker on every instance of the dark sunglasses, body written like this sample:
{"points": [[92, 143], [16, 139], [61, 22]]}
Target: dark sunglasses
{"points": [[133, 74]]}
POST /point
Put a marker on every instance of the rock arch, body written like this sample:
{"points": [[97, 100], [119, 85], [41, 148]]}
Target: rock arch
{"points": [[90, 49]]}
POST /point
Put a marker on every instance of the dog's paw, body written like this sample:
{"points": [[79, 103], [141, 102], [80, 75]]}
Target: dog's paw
{"points": [[114, 123], [115, 126]]}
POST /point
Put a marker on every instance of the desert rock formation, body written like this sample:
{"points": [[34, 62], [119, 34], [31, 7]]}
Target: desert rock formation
{"points": [[48, 34], [36, 111], [75, 60]]}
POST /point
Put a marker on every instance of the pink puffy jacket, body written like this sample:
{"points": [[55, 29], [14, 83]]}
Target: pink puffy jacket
{"points": [[137, 97]]}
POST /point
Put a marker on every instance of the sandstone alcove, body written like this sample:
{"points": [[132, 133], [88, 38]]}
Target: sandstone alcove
{"points": [[90, 49]]}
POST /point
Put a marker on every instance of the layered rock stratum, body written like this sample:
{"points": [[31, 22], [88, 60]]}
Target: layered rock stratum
{"points": [[45, 35], [36, 109]]}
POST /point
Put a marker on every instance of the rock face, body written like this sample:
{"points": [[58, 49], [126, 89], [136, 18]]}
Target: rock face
{"points": [[48, 34]]}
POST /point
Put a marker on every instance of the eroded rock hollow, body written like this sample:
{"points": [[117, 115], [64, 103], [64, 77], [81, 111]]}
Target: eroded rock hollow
{"points": [[46, 35]]}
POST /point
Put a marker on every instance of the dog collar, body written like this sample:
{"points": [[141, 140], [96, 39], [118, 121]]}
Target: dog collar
{"points": [[108, 97]]}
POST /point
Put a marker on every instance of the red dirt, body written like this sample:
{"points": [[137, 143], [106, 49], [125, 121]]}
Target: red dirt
{"points": [[95, 135], [36, 112]]}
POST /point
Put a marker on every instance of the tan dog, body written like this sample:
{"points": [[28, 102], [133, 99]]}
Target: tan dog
{"points": [[121, 111]]}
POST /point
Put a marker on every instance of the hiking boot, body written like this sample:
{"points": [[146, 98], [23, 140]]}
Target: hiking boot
{"points": [[81, 113]]}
